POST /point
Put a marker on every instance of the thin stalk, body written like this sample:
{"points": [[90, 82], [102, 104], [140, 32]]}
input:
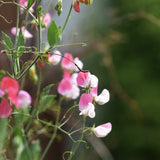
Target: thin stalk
{"points": [[75, 147], [66, 21], [53, 135], [24, 72], [49, 2]]}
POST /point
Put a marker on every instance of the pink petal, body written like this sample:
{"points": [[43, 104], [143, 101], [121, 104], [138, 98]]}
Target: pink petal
{"points": [[85, 99], [67, 61], [103, 130], [24, 99], [47, 19], [64, 85], [11, 87], [82, 78], [55, 57], [13, 30], [5, 109]]}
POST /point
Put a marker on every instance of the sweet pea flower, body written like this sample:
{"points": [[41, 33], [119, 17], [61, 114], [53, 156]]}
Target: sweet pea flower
{"points": [[87, 80], [85, 105], [5, 109], [67, 62], [79, 63], [11, 87], [103, 97], [25, 32], [55, 58], [47, 19], [24, 99], [67, 87], [103, 130], [76, 6]]}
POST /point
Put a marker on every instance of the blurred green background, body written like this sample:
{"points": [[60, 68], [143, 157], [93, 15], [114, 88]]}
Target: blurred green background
{"points": [[124, 52]]}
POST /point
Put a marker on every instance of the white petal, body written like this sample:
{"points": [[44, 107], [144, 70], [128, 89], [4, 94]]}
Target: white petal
{"points": [[103, 97]]}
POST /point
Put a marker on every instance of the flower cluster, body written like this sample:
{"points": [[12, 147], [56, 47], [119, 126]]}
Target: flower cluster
{"points": [[69, 87], [11, 95]]}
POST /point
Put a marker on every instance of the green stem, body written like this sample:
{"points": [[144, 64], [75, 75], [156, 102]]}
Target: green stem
{"points": [[75, 146], [24, 72], [66, 21], [53, 135], [49, 2]]}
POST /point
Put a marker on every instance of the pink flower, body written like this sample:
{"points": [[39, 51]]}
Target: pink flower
{"points": [[47, 19], [103, 97], [103, 130], [67, 62], [78, 63], [76, 6], [87, 80], [24, 99], [25, 32], [85, 105], [5, 109], [11, 87], [55, 58], [67, 87]]}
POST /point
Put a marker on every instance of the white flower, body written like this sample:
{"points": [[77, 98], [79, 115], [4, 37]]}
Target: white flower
{"points": [[103, 130], [103, 97]]}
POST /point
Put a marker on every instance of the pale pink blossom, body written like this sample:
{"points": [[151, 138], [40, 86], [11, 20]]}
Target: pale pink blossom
{"points": [[67, 62], [55, 58], [47, 19], [25, 32], [67, 86], [103, 97], [85, 105], [24, 99], [79, 63], [87, 80], [103, 130], [5, 109]]}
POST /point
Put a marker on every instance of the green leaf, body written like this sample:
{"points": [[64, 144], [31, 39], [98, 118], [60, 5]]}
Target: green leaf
{"points": [[53, 34], [30, 3], [46, 101], [20, 44], [47, 89], [20, 41], [7, 41]]}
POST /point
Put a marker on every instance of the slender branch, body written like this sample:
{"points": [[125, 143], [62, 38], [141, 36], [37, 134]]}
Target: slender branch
{"points": [[67, 18]]}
